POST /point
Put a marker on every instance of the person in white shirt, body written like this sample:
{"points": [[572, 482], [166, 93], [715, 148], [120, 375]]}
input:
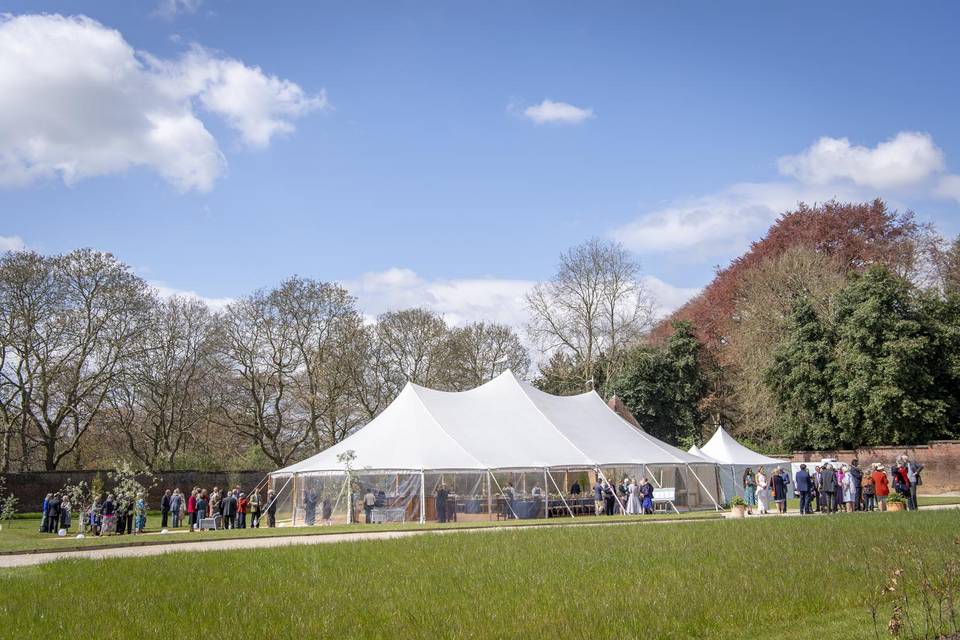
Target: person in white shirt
{"points": [[762, 490]]}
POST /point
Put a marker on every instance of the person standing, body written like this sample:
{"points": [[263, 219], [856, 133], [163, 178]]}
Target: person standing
{"points": [[868, 490], [575, 490], [271, 509], [192, 509], [856, 483], [901, 479], [369, 502], [598, 497], [201, 509], [108, 515], [53, 513], [828, 481], [65, 515], [881, 486], [326, 510], [441, 502], [176, 504], [633, 499], [760, 480], [140, 514], [802, 483], [749, 490], [44, 523], [817, 486], [779, 490], [609, 499], [242, 505], [253, 506], [913, 474], [646, 490], [165, 508], [848, 489]]}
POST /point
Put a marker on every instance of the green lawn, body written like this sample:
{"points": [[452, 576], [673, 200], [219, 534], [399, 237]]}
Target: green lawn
{"points": [[759, 578], [21, 535]]}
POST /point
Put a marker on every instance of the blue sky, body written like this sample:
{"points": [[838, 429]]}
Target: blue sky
{"points": [[408, 162]]}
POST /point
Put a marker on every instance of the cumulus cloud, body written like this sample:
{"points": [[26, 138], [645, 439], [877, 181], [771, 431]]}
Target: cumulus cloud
{"points": [[550, 112], [907, 159], [79, 102], [11, 243], [165, 291], [667, 298]]}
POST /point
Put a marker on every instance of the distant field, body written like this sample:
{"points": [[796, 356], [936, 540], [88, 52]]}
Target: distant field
{"points": [[770, 578]]}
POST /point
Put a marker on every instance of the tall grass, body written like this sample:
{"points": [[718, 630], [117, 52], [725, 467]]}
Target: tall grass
{"points": [[763, 578]]}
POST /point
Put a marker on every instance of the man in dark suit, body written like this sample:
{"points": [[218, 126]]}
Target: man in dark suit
{"points": [[828, 481], [230, 511], [802, 483], [164, 508]]}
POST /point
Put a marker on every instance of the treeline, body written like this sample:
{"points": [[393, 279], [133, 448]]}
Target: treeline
{"points": [[840, 328], [96, 367]]}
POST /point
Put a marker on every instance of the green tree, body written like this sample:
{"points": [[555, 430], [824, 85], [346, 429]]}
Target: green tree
{"points": [[883, 378], [663, 386], [799, 382]]}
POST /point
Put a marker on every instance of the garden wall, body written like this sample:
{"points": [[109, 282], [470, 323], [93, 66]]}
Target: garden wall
{"points": [[31, 487], [940, 458]]}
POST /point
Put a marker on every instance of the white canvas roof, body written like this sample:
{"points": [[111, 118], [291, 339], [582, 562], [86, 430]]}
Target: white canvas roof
{"points": [[503, 424], [725, 450], [696, 451]]}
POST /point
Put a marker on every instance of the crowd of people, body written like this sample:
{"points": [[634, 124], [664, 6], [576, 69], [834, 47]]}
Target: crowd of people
{"points": [[127, 514], [833, 487], [628, 496]]}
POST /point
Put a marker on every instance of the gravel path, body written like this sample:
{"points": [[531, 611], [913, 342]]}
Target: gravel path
{"points": [[31, 559]]}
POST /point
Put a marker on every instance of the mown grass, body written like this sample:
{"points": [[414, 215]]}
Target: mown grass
{"points": [[21, 535], [760, 578]]}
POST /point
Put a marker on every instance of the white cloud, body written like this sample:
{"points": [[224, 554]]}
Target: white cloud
{"points": [[465, 300], [164, 291], [666, 297], [719, 223], [11, 243], [907, 159], [170, 9], [550, 112], [460, 301], [79, 101], [949, 187]]}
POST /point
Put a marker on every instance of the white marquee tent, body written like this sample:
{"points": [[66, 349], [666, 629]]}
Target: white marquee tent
{"points": [[502, 449], [733, 459]]}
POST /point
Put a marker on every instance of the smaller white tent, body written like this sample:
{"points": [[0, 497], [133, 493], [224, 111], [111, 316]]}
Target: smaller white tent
{"points": [[732, 459]]}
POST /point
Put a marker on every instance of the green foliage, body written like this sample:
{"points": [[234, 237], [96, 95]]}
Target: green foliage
{"points": [[883, 381], [737, 501], [799, 381], [8, 502], [663, 386]]}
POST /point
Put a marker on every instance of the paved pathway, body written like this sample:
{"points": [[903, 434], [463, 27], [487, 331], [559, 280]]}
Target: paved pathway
{"points": [[30, 559]]}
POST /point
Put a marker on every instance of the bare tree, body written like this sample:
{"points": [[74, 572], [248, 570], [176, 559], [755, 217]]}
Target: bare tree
{"points": [[594, 306], [77, 316], [414, 347], [480, 352], [164, 394]]}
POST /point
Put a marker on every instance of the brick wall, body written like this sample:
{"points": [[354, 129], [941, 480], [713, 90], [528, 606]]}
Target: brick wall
{"points": [[940, 459], [31, 487]]}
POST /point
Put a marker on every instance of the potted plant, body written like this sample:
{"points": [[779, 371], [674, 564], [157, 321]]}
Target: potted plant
{"points": [[896, 502], [738, 508]]}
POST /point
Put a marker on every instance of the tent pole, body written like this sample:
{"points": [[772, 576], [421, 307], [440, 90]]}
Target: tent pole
{"points": [[339, 495], [349, 499], [709, 495], [500, 489], [489, 498], [276, 494], [423, 497], [686, 476], [546, 495], [604, 478], [570, 511], [296, 496]]}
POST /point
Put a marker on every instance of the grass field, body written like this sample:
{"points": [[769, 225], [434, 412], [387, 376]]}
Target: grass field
{"points": [[760, 578], [21, 535]]}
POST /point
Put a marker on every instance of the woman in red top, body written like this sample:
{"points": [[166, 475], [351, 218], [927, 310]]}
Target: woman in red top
{"points": [[881, 485], [242, 511], [192, 508]]}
